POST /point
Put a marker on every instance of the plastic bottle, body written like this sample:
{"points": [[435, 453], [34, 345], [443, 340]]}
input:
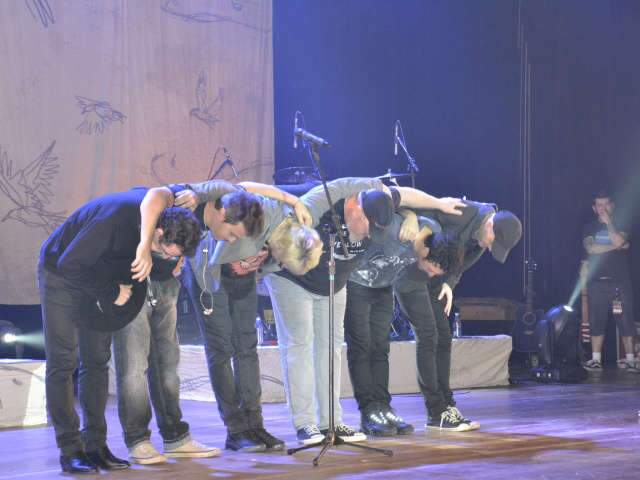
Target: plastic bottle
{"points": [[457, 325]]}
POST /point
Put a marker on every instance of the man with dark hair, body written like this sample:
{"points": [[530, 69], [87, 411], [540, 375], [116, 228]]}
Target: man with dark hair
{"points": [[393, 262], [225, 301], [87, 292], [609, 281]]}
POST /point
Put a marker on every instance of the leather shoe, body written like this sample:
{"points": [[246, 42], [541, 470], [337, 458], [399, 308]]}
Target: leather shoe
{"points": [[106, 460], [77, 462]]}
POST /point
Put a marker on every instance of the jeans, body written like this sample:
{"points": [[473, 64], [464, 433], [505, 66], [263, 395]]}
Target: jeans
{"points": [[601, 296], [431, 328], [367, 323], [64, 336], [146, 355], [302, 321], [230, 337]]}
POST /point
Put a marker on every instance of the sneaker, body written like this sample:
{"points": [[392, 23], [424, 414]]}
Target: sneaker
{"points": [[144, 453], [631, 367], [271, 442], [447, 422], [192, 449], [309, 435], [347, 434], [402, 427], [472, 425], [375, 423], [244, 442], [593, 365]]}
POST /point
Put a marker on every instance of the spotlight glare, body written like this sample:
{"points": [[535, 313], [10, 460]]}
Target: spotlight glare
{"points": [[567, 308], [9, 338]]}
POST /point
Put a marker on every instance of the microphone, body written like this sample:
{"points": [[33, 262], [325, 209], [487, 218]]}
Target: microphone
{"points": [[228, 161], [395, 139], [310, 137], [295, 127]]}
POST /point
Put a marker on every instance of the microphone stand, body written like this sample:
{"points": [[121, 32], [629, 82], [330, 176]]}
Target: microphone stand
{"points": [[331, 439], [412, 166]]}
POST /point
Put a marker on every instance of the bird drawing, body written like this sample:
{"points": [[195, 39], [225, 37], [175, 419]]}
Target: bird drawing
{"points": [[207, 113], [98, 115], [29, 190]]}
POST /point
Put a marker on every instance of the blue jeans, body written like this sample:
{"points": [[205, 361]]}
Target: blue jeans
{"points": [[146, 354], [302, 321]]}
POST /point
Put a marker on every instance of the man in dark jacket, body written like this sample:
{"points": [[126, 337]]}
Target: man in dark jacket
{"points": [[87, 292]]}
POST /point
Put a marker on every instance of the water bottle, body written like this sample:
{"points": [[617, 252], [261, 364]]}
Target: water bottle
{"points": [[457, 325], [259, 331], [617, 303]]}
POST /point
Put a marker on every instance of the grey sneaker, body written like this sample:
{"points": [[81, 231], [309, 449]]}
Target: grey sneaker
{"points": [[192, 449], [309, 435], [631, 367], [144, 453]]}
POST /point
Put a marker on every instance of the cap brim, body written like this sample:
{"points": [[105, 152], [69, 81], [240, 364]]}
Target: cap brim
{"points": [[499, 252]]}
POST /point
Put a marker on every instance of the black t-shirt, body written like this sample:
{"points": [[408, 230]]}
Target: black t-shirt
{"points": [[317, 280], [613, 264]]}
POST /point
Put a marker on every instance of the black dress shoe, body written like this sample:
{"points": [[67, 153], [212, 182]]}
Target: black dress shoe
{"points": [[106, 460], [77, 462], [244, 442]]}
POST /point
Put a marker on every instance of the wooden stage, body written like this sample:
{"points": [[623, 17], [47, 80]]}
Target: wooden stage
{"points": [[529, 431]]}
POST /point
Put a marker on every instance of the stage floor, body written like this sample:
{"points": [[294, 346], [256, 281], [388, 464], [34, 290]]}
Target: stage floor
{"points": [[529, 431]]}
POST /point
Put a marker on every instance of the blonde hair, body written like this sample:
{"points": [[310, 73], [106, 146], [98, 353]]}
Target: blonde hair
{"points": [[297, 247]]}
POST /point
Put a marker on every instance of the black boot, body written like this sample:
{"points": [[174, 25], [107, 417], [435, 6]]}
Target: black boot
{"points": [[77, 462], [244, 442], [375, 423], [402, 427], [269, 440], [106, 460]]}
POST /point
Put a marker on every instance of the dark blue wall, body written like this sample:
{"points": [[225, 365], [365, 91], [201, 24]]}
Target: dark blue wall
{"points": [[450, 70]]}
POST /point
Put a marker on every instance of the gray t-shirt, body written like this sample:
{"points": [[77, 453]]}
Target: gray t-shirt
{"points": [[387, 259]]}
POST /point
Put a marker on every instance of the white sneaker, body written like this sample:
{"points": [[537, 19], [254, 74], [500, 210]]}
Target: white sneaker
{"points": [[192, 449], [144, 453], [631, 367], [348, 434]]}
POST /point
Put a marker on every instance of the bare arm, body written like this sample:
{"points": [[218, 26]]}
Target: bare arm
{"points": [[270, 191], [413, 198], [153, 204], [593, 248]]}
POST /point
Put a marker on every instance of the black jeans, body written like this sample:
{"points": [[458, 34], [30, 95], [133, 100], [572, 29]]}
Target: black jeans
{"points": [[431, 328], [64, 336], [602, 293], [230, 336], [367, 322]]}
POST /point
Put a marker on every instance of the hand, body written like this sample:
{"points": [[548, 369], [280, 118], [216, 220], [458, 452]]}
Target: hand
{"points": [[178, 268], [409, 228], [124, 295], [446, 292], [605, 218], [302, 214], [186, 199], [450, 205], [141, 266]]}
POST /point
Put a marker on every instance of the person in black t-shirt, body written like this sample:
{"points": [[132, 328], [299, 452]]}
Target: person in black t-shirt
{"points": [[86, 289], [609, 284]]}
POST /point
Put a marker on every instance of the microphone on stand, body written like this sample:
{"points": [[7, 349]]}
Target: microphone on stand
{"points": [[228, 161], [310, 137], [295, 127], [395, 139]]}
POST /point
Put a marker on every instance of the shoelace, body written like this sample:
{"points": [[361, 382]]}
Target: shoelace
{"points": [[456, 413], [311, 430], [345, 430], [448, 416]]}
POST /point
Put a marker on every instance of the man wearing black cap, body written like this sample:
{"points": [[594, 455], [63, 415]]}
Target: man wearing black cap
{"points": [[87, 292], [478, 229], [301, 302]]}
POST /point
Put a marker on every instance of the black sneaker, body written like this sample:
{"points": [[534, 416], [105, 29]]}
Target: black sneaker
{"points": [[244, 442], [347, 434], [402, 427], [472, 424], [447, 421], [375, 423], [309, 435], [271, 442]]}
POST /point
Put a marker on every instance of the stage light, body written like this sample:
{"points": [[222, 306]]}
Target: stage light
{"points": [[559, 346], [10, 337]]}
